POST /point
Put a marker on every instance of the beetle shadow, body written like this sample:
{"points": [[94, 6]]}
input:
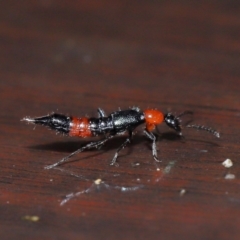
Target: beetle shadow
{"points": [[112, 144], [71, 146], [115, 143]]}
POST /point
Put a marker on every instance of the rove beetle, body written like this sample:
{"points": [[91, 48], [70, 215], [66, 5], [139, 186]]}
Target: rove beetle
{"points": [[116, 123]]}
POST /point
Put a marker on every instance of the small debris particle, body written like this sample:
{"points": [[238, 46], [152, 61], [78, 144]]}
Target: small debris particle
{"points": [[182, 192], [98, 181], [227, 163], [136, 164], [230, 176], [158, 169], [31, 218], [51, 180], [168, 168]]}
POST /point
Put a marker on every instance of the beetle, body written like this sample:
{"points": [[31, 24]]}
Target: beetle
{"points": [[116, 123]]}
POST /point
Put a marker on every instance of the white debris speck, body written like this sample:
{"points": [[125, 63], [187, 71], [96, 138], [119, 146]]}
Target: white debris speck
{"points": [[31, 218], [182, 192], [158, 169], [230, 176], [136, 164], [227, 163], [98, 181], [168, 168]]}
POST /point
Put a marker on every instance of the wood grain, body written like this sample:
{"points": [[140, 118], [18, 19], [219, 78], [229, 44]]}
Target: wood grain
{"points": [[74, 56]]}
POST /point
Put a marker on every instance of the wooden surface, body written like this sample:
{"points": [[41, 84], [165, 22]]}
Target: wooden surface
{"points": [[74, 56]]}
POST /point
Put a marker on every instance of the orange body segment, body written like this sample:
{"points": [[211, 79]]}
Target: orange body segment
{"points": [[153, 117], [80, 127]]}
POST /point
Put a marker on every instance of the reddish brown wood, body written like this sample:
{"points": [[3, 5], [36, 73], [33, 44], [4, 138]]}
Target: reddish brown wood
{"points": [[74, 56]]}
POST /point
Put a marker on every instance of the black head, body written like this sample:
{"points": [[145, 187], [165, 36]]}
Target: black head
{"points": [[173, 122]]}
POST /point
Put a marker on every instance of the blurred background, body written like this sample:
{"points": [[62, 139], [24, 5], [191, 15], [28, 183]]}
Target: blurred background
{"points": [[72, 57], [120, 52]]}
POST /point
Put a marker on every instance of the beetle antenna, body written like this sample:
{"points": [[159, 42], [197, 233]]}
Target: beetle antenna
{"points": [[184, 113], [208, 129]]}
